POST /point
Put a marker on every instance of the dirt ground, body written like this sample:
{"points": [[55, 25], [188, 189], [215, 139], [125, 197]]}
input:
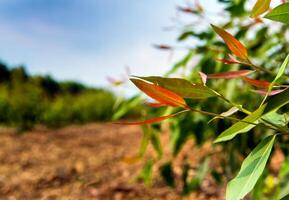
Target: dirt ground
{"points": [[81, 162]]}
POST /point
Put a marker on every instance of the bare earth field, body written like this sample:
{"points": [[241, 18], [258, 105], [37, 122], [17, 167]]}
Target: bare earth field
{"points": [[83, 162]]}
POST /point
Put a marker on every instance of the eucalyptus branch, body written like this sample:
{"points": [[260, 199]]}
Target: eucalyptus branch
{"points": [[230, 118]]}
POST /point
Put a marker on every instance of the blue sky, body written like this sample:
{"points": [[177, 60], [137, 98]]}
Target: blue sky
{"points": [[86, 40]]}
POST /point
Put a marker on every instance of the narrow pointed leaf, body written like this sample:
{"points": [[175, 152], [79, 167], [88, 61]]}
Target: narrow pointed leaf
{"points": [[282, 68], [260, 7], [229, 75], [228, 113], [203, 77], [233, 44], [160, 94], [266, 93], [257, 83], [278, 76], [241, 127], [153, 120], [156, 104], [280, 13], [182, 87], [251, 169], [273, 104]]}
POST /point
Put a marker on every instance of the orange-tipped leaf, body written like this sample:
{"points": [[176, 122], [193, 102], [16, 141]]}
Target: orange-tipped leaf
{"points": [[229, 75], [257, 83], [159, 94], [270, 93], [233, 44]]}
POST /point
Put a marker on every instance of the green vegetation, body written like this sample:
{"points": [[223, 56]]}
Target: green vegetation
{"points": [[239, 85], [28, 100]]}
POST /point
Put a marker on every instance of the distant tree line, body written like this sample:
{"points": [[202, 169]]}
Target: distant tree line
{"points": [[26, 100]]}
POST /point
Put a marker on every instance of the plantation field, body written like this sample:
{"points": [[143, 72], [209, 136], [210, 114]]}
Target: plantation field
{"points": [[83, 162]]}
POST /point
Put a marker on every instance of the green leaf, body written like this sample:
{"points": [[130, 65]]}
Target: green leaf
{"points": [[278, 76], [280, 13], [145, 140], [272, 105], [182, 87], [282, 68], [260, 7], [241, 127], [251, 169], [155, 140], [146, 173], [276, 118]]}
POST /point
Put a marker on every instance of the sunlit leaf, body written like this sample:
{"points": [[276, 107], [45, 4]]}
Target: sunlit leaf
{"points": [[241, 127], [281, 69], [160, 94], [229, 75], [203, 77], [153, 120], [280, 13], [273, 104], [257, 83], [228, 113], [276, 118], [260, 7], [182, 87], [251, 169], [233, 44]]}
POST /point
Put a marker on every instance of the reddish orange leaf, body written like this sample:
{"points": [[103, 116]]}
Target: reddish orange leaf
{"points": [[156, 104], [271, 93], [153, 120], [230, 75], [257, 83], [160, 94], [233, 44]]}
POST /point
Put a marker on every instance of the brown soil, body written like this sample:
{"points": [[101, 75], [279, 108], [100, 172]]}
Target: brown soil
{"points": [[84, 162]]}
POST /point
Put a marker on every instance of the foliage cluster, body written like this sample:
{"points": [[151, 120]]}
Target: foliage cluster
{"points": [[239, 86]]}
